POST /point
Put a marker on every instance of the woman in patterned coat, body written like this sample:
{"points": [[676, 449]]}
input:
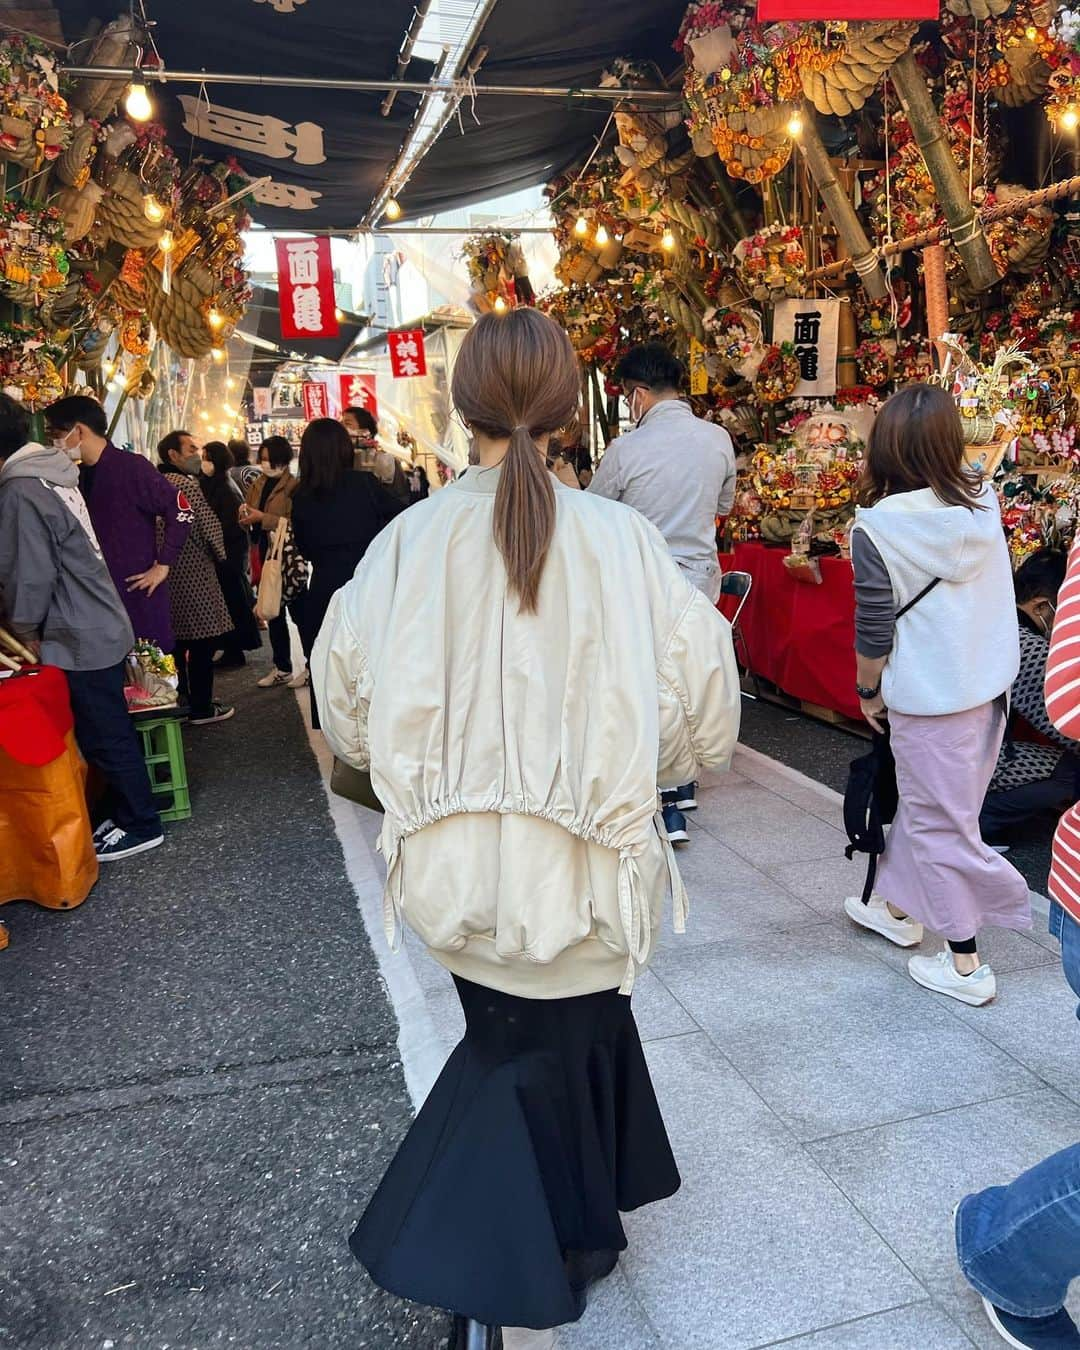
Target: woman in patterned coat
{"points": [[200, 617]]}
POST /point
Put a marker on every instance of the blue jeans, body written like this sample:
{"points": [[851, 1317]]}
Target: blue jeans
{"points": [[1019, 1245]]}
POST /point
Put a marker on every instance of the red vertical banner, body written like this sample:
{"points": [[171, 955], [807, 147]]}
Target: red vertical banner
{"points": [[316, 400], [407, 357], [306, 288], [358, 391]]}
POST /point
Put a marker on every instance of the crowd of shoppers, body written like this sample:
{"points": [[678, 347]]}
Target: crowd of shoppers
{"points": [[521, 831]]}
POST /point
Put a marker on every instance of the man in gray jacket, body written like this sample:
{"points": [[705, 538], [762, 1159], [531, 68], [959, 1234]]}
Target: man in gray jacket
{"points": [[679, 472], [60, 601]]}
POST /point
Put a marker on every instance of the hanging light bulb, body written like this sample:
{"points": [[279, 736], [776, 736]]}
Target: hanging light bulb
{"points": [[108, 369], [601, 235], [218, 354], [393, 209], [500, 305], [205, 415], [138, 105], [581, 225], [230, 383], [215, 319], [153, 210], [1031, 32], [166, 243], [339, 314], [667, 242], [794, 126], [1069, 119]]}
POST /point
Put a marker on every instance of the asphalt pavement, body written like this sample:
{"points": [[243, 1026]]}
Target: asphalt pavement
{"points": [[199, 1078]]}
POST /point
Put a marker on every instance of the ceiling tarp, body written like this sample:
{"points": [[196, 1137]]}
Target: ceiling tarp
{"points": [[326, 151], [523, 141]]}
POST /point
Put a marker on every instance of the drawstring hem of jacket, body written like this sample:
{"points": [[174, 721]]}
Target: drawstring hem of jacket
{"points": [[393, 891], [634, 906]]}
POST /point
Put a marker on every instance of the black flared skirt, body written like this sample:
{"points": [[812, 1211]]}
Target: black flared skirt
{"points": [[504, 1198]]}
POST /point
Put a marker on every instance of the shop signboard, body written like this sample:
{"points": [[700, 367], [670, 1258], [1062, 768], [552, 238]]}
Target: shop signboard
{"points": [[770, 11], [407, 358], [263, 400], [306, 288], [812, 326], [358, 391], [316, 400]]}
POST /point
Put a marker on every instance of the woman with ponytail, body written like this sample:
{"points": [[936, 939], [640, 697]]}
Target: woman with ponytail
{"points": [[516, 664]]}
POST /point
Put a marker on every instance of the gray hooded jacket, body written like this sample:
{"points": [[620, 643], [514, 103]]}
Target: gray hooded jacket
{"points": [[54, 584]]}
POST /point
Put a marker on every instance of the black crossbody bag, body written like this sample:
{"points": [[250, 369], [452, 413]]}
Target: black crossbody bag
{"points": [[871, 796]]}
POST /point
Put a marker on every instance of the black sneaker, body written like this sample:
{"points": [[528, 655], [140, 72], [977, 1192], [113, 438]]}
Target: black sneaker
{"points": [[1056, 1332], [120, 843], [219, 712], [675, 824], [106, 827], [686, 797]]}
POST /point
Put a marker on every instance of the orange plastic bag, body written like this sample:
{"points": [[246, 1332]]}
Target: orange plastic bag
{"points": [[46, 844]]}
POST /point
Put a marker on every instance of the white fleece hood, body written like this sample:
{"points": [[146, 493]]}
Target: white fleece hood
{"points": [[958, 647]]}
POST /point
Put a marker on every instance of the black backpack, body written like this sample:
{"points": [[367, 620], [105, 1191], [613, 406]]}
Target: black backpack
{"points": [[870, 802], [871, 796]]}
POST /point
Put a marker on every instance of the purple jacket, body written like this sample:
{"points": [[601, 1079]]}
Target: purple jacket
{"points": [[126, 495]]}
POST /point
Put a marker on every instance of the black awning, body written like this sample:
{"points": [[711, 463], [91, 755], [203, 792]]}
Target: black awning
{"points": [[326, 151], [523, 141]]}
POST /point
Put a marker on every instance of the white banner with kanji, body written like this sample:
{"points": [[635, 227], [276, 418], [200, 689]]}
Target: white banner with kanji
{"points": [[813, 329]]}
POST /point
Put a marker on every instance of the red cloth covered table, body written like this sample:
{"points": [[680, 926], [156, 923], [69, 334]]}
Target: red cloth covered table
{"points": [[35, 714], [46, 849], [799, 636]]}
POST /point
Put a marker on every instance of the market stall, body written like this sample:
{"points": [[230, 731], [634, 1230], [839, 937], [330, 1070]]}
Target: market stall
{"points": [[827, 212]]}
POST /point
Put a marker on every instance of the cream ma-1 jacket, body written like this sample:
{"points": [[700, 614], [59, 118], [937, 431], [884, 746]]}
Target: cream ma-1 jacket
{"points": [[518, 755]]}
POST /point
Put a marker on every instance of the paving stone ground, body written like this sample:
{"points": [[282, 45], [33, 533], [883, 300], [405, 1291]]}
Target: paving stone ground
{"points": [[204, 1070]]}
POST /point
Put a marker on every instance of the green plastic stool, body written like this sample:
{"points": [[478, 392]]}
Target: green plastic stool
{"points": [[163, 750]]}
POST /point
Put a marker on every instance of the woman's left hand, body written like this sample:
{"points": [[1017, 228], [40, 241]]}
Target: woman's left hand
{"points": [[875, 712], [252, 516]]}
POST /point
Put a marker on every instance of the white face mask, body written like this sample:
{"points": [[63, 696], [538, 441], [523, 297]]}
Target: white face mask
{"points": [[637, 412], [207, 468], [73, 452]]}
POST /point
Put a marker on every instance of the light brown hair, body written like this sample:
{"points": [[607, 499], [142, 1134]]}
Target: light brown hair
{"points": [[917, 441], [516, 375]]}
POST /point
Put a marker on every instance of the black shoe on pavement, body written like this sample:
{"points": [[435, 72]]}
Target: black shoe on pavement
{"points": [[465, 1334], [219, 712], [118, 843], [106, 827], [686, 797], [1056, 1332], [226, 662], [675, 824]]}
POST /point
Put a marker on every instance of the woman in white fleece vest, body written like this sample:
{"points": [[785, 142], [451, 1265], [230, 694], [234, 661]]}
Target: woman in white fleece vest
{"points": [[518, 664], [937, 649]]}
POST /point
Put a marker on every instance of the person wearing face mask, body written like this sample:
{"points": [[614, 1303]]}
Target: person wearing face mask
{"points": [[225, 498], [270, 500], [1031, 778], [679, 472], [137, 515], [200, 616], [60, 601]]}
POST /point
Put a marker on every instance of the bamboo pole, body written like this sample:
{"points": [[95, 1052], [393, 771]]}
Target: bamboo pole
{"points": [[1019, 206], [964, 224], [727, 195], [863, 258]]}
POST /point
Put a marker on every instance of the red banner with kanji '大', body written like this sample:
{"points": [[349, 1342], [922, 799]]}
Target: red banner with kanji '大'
{"points": [[306, 288], [358, 391], [770, 11]]}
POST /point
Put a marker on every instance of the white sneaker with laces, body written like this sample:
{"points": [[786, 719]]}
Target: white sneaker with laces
{"points": [[274, 678], [876, 917], [299, 681], [939, 974]]}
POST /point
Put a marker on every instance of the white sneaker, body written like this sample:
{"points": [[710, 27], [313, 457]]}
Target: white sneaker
{"points": [[939, 974], [876, 917], [299, 681], [523, 1338], [275, 678]]}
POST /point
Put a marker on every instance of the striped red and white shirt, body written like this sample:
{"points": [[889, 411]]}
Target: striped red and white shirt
{"points": [[1063, 705]]}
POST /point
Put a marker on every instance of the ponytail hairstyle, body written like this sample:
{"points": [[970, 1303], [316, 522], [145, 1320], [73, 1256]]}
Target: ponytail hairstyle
{"points": [[516, 375]]}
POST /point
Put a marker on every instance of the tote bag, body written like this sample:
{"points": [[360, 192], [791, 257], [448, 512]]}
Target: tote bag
{"points": [[268, 605]]}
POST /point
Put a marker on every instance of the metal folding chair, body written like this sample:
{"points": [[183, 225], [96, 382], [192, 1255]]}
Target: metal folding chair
{"points": [[740, 584]]}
